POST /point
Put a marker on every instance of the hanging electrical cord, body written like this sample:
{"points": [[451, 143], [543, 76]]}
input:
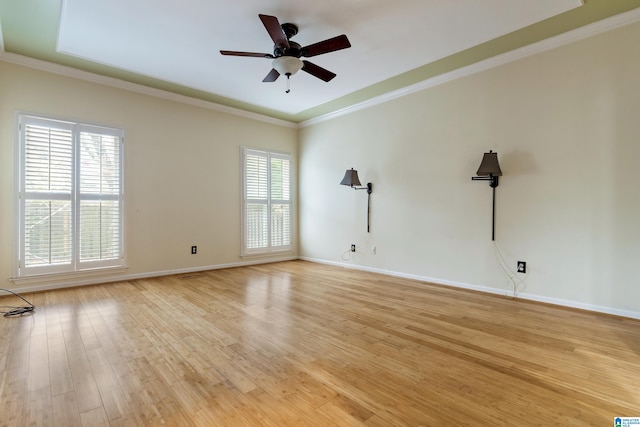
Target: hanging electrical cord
{"points": [[16, 311], [511, 275]]}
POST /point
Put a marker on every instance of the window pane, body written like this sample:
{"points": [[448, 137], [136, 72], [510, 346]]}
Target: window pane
{"points": [[48, 232], [280, 179], [280, 224], [257, 232], [48, 159], [99, 230], [256, 177], [99, 164]]}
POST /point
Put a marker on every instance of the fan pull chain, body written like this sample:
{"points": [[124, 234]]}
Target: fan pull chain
{"points": [[288, 83]]}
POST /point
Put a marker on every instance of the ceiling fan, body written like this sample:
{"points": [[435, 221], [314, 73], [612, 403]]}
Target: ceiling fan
{"points": [[286, 53]]}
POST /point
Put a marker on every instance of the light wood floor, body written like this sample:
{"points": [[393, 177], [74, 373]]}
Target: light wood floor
{"points": [[303, 344]]}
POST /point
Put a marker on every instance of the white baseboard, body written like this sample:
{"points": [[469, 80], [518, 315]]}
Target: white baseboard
{"points": [[486, 289]]}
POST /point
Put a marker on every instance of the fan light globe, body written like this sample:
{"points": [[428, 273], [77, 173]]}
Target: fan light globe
{"points": [[287, 65]]}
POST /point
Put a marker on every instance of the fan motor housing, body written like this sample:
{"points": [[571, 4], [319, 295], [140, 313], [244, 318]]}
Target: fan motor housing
{"points": [[294, 50]]}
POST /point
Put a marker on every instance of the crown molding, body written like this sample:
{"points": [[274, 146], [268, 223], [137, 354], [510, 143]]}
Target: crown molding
{"points": [[133, 87], [589, 30]]}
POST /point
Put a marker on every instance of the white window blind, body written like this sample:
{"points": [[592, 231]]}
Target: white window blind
{"points": [[267, 202], [70, 196]]}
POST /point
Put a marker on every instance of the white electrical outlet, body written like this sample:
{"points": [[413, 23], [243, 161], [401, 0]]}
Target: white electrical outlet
{"points": [[373, 250]]}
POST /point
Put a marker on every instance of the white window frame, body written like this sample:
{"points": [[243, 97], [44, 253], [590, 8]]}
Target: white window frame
{"points": [[270, 248], [75, 196]]}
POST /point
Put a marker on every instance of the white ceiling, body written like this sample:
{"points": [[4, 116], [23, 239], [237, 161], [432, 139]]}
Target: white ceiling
{"points": [[179, 40]]}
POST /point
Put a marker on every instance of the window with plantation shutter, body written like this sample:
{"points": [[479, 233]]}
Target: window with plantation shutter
{"points": [[266, 203], [70, 196]]}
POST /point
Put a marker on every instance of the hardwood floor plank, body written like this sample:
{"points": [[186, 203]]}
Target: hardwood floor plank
{"points": [[114, 400], [59, 369], [87, 394], [65, 410], [94, 418], [12, 399], [39, 407], [38, 373]]}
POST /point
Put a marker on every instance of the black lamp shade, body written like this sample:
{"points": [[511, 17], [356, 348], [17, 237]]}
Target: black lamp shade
{"points": [[350, 178], [489, 165]]}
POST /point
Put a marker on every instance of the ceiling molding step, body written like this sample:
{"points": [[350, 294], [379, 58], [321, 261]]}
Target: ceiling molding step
{"points": [[586, 31], [134, 87], [589, 30]]}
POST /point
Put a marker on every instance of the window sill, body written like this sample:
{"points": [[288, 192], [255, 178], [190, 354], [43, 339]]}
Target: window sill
{"points": [[273, 254]]}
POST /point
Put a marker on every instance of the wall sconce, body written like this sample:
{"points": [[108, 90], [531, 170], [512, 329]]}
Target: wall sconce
{"points": [[351, 179], [489, 170]]}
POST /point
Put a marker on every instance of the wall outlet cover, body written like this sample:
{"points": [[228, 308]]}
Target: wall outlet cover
{"points": [[522, 267]]}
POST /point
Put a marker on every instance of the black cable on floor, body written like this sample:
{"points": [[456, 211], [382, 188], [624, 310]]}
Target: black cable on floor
{"points": [[16, 311]]}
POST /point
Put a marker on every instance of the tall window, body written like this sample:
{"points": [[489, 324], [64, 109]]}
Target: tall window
{"points": [[70, 196], [266, 213]]}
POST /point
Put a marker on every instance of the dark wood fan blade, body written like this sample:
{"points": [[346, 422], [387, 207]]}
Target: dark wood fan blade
{"points": [[251, 54], [274, 29], [317, 71], [272, 76], [326, 46]]}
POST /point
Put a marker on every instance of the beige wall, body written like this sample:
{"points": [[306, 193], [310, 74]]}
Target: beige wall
{"points": [[566, 126], [564, 122], [182, 169]]}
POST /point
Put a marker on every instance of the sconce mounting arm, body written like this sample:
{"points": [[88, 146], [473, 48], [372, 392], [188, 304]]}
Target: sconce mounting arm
{"points": [[351, 179], [489, 170]]}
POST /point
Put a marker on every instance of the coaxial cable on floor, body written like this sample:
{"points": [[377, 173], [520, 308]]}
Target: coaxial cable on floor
{"points": [[16, 311]]}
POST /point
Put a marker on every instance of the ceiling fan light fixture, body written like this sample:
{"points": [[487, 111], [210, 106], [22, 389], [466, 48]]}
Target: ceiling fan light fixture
{"points": [[286, 53], [287, 65]]}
